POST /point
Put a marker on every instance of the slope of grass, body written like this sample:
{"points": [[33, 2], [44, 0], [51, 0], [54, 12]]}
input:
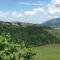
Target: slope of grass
{"points": [[48, 52]]}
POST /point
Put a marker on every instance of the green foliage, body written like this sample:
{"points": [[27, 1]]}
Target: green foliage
{"points": [[28, 55], [31, 35], [17, 40], [9, 50]]}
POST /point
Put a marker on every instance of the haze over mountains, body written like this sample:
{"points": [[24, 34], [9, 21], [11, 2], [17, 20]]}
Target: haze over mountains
{"points": [[53, 22]]}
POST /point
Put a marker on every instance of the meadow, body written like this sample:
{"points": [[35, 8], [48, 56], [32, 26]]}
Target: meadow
{"points": [[48, 52]]}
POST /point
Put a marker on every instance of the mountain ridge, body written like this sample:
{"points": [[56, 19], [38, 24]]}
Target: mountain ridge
{"points": [[53, 22]]}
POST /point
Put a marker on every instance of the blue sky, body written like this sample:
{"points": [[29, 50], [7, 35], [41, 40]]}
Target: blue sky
{"points": [[31, 11], [18, 5]]}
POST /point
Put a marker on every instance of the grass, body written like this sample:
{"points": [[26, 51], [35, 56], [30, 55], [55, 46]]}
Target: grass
{"points": [[48, 52]]}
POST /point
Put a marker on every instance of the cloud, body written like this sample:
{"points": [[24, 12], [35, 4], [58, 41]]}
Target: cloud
{"points": [[50, 9], [16, 14], [53, 10], [54, 7], [36, 15], [55, 1], [10, 16], [34, 12]]}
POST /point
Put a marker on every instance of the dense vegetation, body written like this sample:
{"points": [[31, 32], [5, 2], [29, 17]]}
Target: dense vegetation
{"points": [[15, 37], [31, 35]]}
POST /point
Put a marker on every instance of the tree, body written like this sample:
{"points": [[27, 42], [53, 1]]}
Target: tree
{"points": [[28, 55]]}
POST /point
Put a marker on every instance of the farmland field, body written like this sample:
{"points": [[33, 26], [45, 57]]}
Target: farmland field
{"points": [[48, 52]]}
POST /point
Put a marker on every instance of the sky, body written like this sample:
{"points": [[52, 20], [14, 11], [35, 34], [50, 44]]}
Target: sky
{"points": [[30, 11]]}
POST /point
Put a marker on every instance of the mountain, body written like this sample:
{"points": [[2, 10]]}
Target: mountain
{"points": [[53, 22]]}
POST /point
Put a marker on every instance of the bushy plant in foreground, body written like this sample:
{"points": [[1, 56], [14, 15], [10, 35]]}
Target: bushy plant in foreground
{"points": [[9, 49]]}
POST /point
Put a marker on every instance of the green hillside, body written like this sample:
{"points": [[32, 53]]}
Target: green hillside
{"points": [[19, 41], [31, 35]]}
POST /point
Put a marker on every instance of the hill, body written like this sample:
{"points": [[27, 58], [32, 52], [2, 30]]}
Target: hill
{"points": [[53, 22], [30, 34], [18, 41]]}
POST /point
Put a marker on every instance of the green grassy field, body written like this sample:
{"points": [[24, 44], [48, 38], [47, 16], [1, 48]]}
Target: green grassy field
{"points": [[48, 52]]}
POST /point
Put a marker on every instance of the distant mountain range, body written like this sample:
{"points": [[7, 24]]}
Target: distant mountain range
{"points": [[53, 22]]}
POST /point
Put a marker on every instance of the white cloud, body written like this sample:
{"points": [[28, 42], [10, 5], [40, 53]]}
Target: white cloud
{"points": [[53, 10], [10, 14], [16, 14], [29, 13], [54, 7], [55, 1], [4, 14], [34, 12]]}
